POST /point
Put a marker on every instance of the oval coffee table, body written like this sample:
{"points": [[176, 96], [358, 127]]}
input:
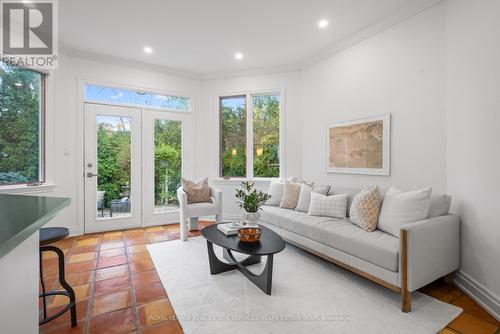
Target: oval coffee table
{"points": [[269, 244]]}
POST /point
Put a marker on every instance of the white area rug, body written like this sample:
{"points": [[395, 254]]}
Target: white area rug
{"points": [[309, 295]]}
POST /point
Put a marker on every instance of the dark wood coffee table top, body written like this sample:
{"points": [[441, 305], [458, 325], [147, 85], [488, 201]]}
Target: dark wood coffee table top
{"points": [[270, 242]]}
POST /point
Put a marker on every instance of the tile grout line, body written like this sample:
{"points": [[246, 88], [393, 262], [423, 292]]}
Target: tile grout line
{"points": [[90, 305], [135, 307]]}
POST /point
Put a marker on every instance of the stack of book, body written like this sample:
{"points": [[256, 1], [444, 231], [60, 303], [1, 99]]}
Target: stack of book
{"points": [[229, 228]]}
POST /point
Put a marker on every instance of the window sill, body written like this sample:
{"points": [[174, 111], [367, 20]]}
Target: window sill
{"points": [[237, 181], [24, 189]]}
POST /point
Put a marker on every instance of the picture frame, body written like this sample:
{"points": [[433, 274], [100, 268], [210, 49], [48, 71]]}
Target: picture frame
{"points": [[360, 146]]}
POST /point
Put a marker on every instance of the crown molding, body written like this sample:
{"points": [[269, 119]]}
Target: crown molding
{"points": [[86, 55], [401, 14], [252, 72]]}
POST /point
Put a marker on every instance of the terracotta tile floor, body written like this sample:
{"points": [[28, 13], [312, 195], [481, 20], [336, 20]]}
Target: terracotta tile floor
{"points": [[118, 289]]}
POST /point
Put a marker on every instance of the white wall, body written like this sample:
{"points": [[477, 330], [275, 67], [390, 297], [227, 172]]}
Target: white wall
{"points": [[66, 120], [399, 71], [208, 136], [473, 136]]}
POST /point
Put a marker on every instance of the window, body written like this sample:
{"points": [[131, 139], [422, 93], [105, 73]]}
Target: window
{"points": [[258, 130], [125, 96], [22, 99]]}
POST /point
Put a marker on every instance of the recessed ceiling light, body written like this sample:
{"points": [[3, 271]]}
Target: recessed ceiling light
{"points": [[238, 55], [322, 24], [147, 49]]}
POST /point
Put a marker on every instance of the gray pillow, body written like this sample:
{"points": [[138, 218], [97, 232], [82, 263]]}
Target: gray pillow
{"points": [[440, 205], [305, 195]]}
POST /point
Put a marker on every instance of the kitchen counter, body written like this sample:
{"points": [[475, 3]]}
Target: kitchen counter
{"points": [[21, 216]]}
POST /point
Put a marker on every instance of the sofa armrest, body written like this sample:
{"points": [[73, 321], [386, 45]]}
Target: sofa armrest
{"points": [[433, 249]]}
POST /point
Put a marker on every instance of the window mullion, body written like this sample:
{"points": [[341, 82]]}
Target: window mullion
{"points": [[249, 135]]}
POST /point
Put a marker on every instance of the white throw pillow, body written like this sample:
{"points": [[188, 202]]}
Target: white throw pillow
{"points": [[305, 195], [400, 208], [440, 205], [276, 191], [328, 206]]}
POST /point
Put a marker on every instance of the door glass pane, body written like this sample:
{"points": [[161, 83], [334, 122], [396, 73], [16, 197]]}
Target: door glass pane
{"points": [[113, 166], [168, 164], [266, 135], [233, 136]]}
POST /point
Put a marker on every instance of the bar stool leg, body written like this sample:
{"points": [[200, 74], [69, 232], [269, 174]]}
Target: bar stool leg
{"points": [[43, 288], [64, 284]]}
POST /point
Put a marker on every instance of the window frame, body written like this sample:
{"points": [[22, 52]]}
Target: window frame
{"points": [[249, 94], [188, 97], [42, 126]]}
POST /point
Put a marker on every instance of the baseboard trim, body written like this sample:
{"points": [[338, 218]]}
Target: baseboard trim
{"points": [[479, 293]]}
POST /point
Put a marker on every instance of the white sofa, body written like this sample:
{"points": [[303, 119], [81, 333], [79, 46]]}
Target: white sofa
{"points": [[191, 212], [425, 250]]}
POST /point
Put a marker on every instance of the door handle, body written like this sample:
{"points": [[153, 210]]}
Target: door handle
{"points": [[91, 174]]}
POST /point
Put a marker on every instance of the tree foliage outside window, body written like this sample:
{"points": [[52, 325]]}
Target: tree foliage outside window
{"points": [[233, 136], [113, 157], [266, 135], [168, 161], [21, 138], [265, 125]]}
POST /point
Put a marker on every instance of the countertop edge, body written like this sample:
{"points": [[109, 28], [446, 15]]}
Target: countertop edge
{"points": [[14, 241]]}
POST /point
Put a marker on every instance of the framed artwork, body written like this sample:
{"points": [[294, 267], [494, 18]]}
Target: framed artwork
{"points": [[360, 146]]}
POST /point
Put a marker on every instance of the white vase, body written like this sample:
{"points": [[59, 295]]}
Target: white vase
{"points": [[251, 218]]}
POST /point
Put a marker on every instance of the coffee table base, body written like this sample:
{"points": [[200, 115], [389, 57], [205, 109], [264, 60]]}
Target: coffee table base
{"points": [[263, 281]]}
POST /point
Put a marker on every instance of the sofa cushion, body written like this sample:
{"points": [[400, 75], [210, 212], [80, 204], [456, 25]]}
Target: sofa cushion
{"points": [[376, 247], [305, 195], [276, 189], [344, 190], [328, 206], [291, 194], [400, 208], [440, 205], [197, 192], [365, 208]]}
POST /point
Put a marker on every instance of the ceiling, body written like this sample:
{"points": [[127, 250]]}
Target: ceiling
{"points": [[200, 37]]}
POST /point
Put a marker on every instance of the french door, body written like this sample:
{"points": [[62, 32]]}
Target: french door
{"points": [[133, 166]]}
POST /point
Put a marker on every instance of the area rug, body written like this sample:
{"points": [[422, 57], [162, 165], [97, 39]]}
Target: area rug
{"points": [[309, 295]]}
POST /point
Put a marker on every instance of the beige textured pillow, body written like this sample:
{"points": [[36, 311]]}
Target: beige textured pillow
{"points": [[365, 208], [291, 194], [197, 192]]}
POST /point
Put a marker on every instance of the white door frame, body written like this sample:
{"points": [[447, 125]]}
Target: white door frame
{"points": [[92, 224]]}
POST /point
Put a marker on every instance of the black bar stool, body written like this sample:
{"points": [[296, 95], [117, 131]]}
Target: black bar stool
{"points": [[47, 236]]}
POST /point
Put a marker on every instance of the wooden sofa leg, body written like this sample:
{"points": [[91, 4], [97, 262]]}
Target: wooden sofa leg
{"points": [[406, 301], [405, 294]]}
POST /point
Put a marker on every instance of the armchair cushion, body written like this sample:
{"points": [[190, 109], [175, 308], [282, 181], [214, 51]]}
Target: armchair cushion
{"points": [[197, 192], [201, 209]]}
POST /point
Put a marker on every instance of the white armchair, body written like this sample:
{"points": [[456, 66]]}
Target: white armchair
{"points": [[191, 212]]}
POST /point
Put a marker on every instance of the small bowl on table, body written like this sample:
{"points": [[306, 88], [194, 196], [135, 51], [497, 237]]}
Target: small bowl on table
{"points": [[249, 234]]}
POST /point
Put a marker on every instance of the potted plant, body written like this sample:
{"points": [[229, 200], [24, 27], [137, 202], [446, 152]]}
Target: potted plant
{"points": [[251, 200]]}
